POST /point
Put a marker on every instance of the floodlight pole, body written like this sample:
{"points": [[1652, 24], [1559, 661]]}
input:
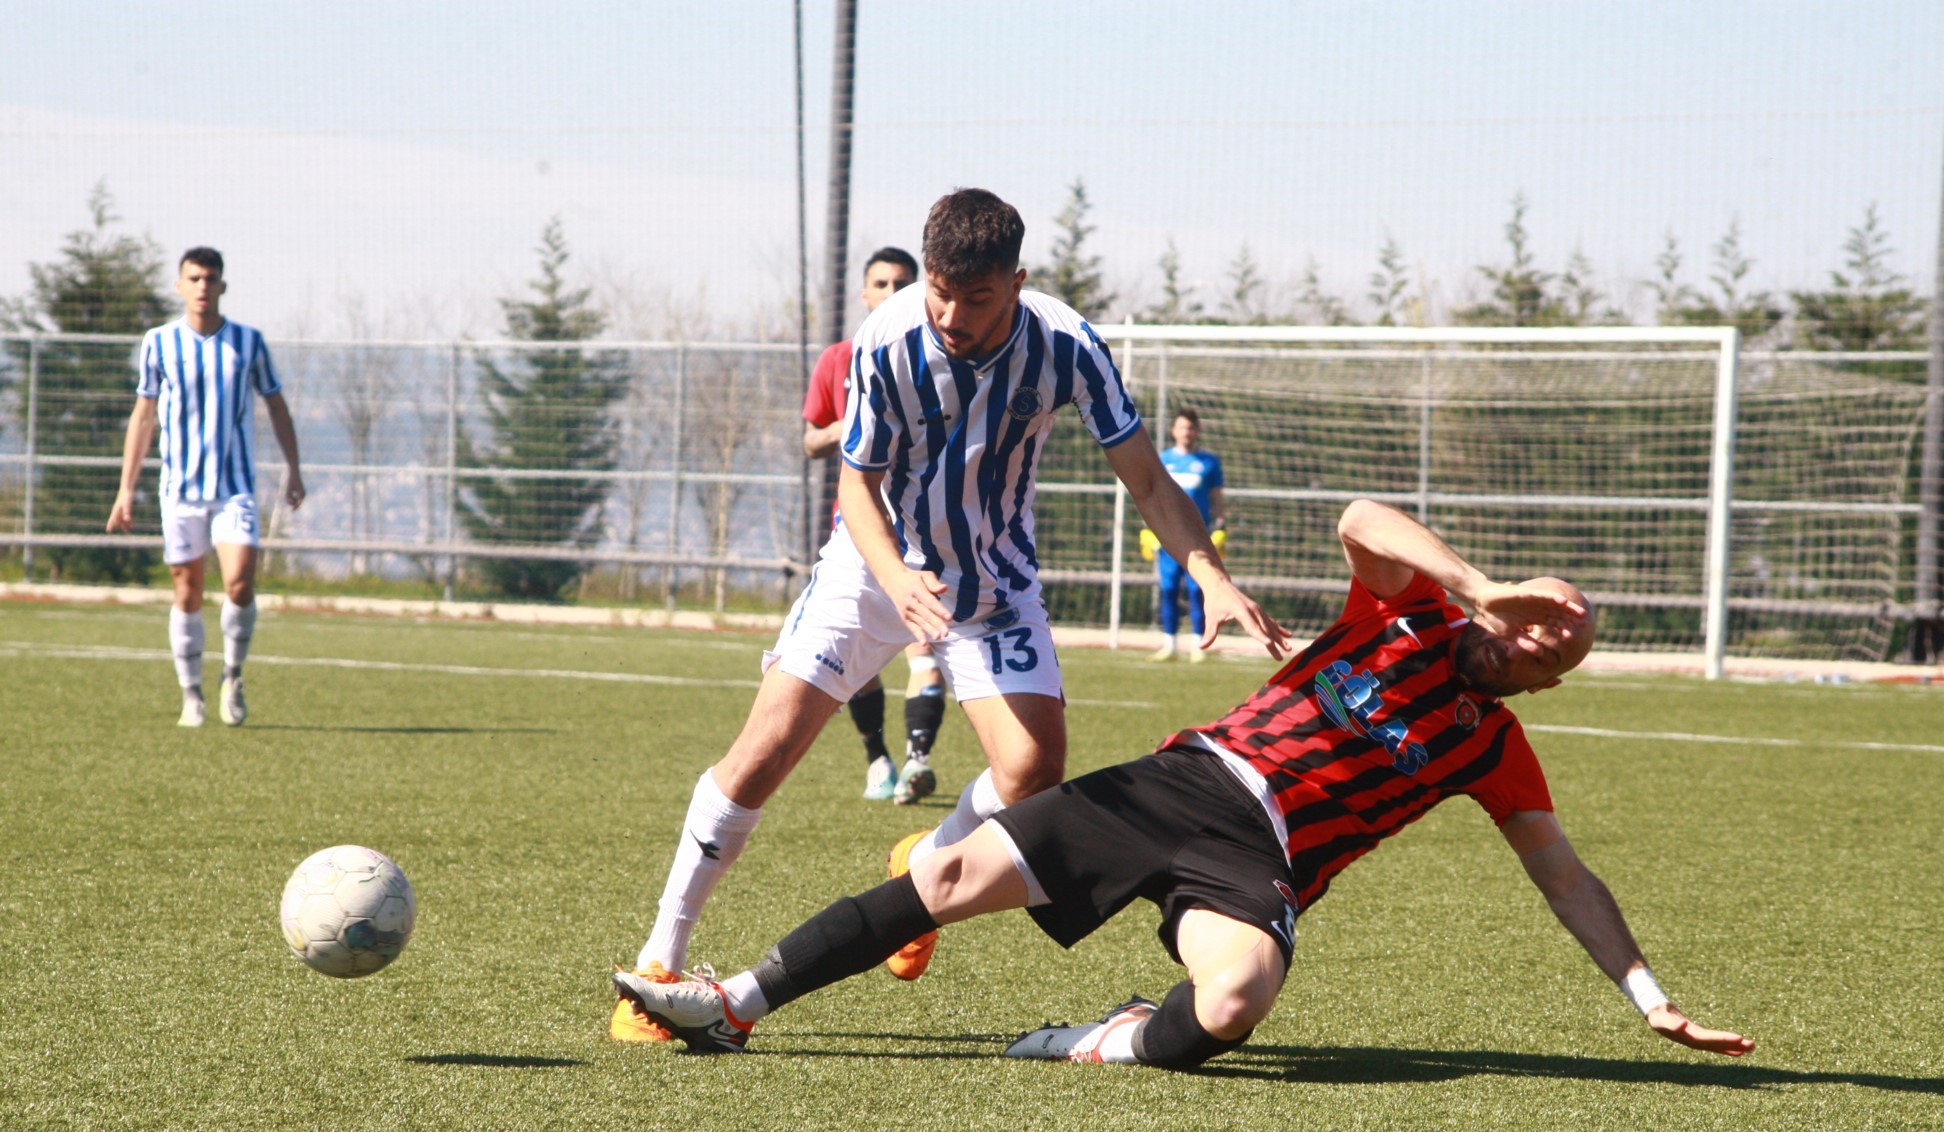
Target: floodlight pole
{"points": [[1926, 630], [837, 216], [811, 480]]}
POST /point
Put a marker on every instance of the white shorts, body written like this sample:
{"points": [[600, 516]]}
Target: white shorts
{"points": [[844, 629], [189, 529]]}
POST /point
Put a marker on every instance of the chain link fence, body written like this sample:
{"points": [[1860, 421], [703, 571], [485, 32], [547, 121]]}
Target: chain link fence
{"points": [[689, 486]]}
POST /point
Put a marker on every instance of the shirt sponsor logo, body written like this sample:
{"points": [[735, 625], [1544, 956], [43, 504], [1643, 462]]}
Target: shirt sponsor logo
{"points": [[1352, 701]]}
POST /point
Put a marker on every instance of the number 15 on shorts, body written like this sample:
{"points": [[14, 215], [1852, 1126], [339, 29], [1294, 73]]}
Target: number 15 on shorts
{"points": [[1012, 648]]}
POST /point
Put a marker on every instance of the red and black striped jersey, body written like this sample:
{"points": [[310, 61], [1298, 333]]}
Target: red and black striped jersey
{"points": [[1370, 726]]}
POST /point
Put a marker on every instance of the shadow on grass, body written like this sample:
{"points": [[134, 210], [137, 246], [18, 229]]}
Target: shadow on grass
{"points": [[1351, 1065], [1362, 1064], [493, 1060], [407, 730]]}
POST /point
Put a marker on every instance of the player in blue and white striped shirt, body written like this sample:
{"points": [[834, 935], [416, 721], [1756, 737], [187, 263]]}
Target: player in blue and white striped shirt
{"points": [[196, 383], [954, 386]]}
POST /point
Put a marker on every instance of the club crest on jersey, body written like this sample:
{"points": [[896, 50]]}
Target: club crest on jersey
{"points": [[1025, 404], [1466, 712], [1350, 701]]}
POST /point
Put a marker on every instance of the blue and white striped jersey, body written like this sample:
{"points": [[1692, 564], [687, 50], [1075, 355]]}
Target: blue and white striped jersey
{"points": [[206, 408], [959, 441]]}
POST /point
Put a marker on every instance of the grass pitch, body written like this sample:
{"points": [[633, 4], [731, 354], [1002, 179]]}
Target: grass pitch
{"points": [[1785, 881]]}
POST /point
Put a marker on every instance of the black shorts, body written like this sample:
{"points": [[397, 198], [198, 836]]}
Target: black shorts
{"points": [[1176, 828]]}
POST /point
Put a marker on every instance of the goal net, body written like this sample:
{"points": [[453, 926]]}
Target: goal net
{"points": [[1594, 454]]}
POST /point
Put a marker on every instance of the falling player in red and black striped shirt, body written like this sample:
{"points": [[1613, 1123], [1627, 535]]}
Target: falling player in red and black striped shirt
{"points": [[1237, 827]]}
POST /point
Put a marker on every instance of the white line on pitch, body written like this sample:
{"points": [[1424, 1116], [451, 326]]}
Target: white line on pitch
{"points": [[1738, 740], [111, 652], [116, 652]]}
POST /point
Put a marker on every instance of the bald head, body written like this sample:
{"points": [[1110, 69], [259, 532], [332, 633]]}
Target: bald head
{"points": [[1503, 658]]}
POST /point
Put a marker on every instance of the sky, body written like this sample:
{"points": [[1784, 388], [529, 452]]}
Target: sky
{"points": [[386, 170]]}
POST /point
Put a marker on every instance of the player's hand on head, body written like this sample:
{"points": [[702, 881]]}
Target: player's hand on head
{"points": [[1668, 1021], [1500, 605], [915, 593]]}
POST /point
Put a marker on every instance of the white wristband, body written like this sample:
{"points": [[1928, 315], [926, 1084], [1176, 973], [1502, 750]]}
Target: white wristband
{"points": [[1640, 987]]}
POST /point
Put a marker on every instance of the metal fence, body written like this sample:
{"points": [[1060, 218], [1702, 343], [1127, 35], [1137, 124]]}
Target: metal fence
{"points": [[1777, 520]]}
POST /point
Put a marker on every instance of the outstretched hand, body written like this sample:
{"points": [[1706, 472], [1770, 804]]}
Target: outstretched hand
{"points": [[1225, 602], [1668, 1021]]}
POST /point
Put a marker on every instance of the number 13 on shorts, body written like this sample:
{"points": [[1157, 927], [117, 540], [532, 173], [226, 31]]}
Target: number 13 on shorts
{"points": [[1012, 648]]}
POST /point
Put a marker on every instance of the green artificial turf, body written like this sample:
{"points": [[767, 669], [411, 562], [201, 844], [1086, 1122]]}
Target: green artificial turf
{"points": [[1789, 891]]}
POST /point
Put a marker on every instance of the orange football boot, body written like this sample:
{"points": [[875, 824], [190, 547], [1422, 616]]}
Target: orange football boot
{"points": [[628, 1023], [910, 961]]}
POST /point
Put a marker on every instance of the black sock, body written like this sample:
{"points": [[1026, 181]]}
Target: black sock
{"points": [[924, 713], [1174, 1038], [867, 712], [848, 938]]}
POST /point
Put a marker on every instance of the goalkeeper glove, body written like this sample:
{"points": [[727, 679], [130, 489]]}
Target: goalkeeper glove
{"points": [[1150, 543], [1220, 539]]}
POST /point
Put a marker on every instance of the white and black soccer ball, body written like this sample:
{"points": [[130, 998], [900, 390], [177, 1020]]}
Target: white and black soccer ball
{"points": [[347, 911]]}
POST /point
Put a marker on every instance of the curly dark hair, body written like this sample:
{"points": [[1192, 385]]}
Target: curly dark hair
{"points": [[970, 234]]}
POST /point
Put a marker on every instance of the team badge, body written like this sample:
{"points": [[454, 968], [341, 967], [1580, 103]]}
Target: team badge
{"points": [[1025, 404], [1466, 712]]}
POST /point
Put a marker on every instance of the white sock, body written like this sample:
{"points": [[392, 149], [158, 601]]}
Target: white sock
{"points": [[239, 624], [743, 997], [723, 827], [978, 801], [186, 643]]}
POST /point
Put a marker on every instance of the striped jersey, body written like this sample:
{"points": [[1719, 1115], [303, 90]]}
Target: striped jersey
{"points": [[1370, 726], [205, 389], [959, 441]]}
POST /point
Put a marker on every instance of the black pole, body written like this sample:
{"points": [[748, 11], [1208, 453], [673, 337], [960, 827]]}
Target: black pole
{"points": [[811, 494], [837, 225], [1925, 635]]}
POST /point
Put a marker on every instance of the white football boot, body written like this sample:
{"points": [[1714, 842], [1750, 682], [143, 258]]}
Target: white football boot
{"points": [[230, 705], [192, 708], [1080, 1043]]}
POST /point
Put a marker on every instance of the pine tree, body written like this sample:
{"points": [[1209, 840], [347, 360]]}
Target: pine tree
{"points": [[1388, 282], [1074, 277], [1754, 313], [1867, 307], [1671, 296], [1177, 305], [1245, 290], [1317, 305], [550, 412], [103, 283], [1521, 292]]}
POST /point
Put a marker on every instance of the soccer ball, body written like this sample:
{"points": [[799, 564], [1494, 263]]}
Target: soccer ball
{"points": [[347, 911]]}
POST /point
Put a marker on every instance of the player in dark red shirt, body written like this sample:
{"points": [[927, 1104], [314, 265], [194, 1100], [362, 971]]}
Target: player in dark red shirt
{"points": [[888, 271], [1237, 827]]}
